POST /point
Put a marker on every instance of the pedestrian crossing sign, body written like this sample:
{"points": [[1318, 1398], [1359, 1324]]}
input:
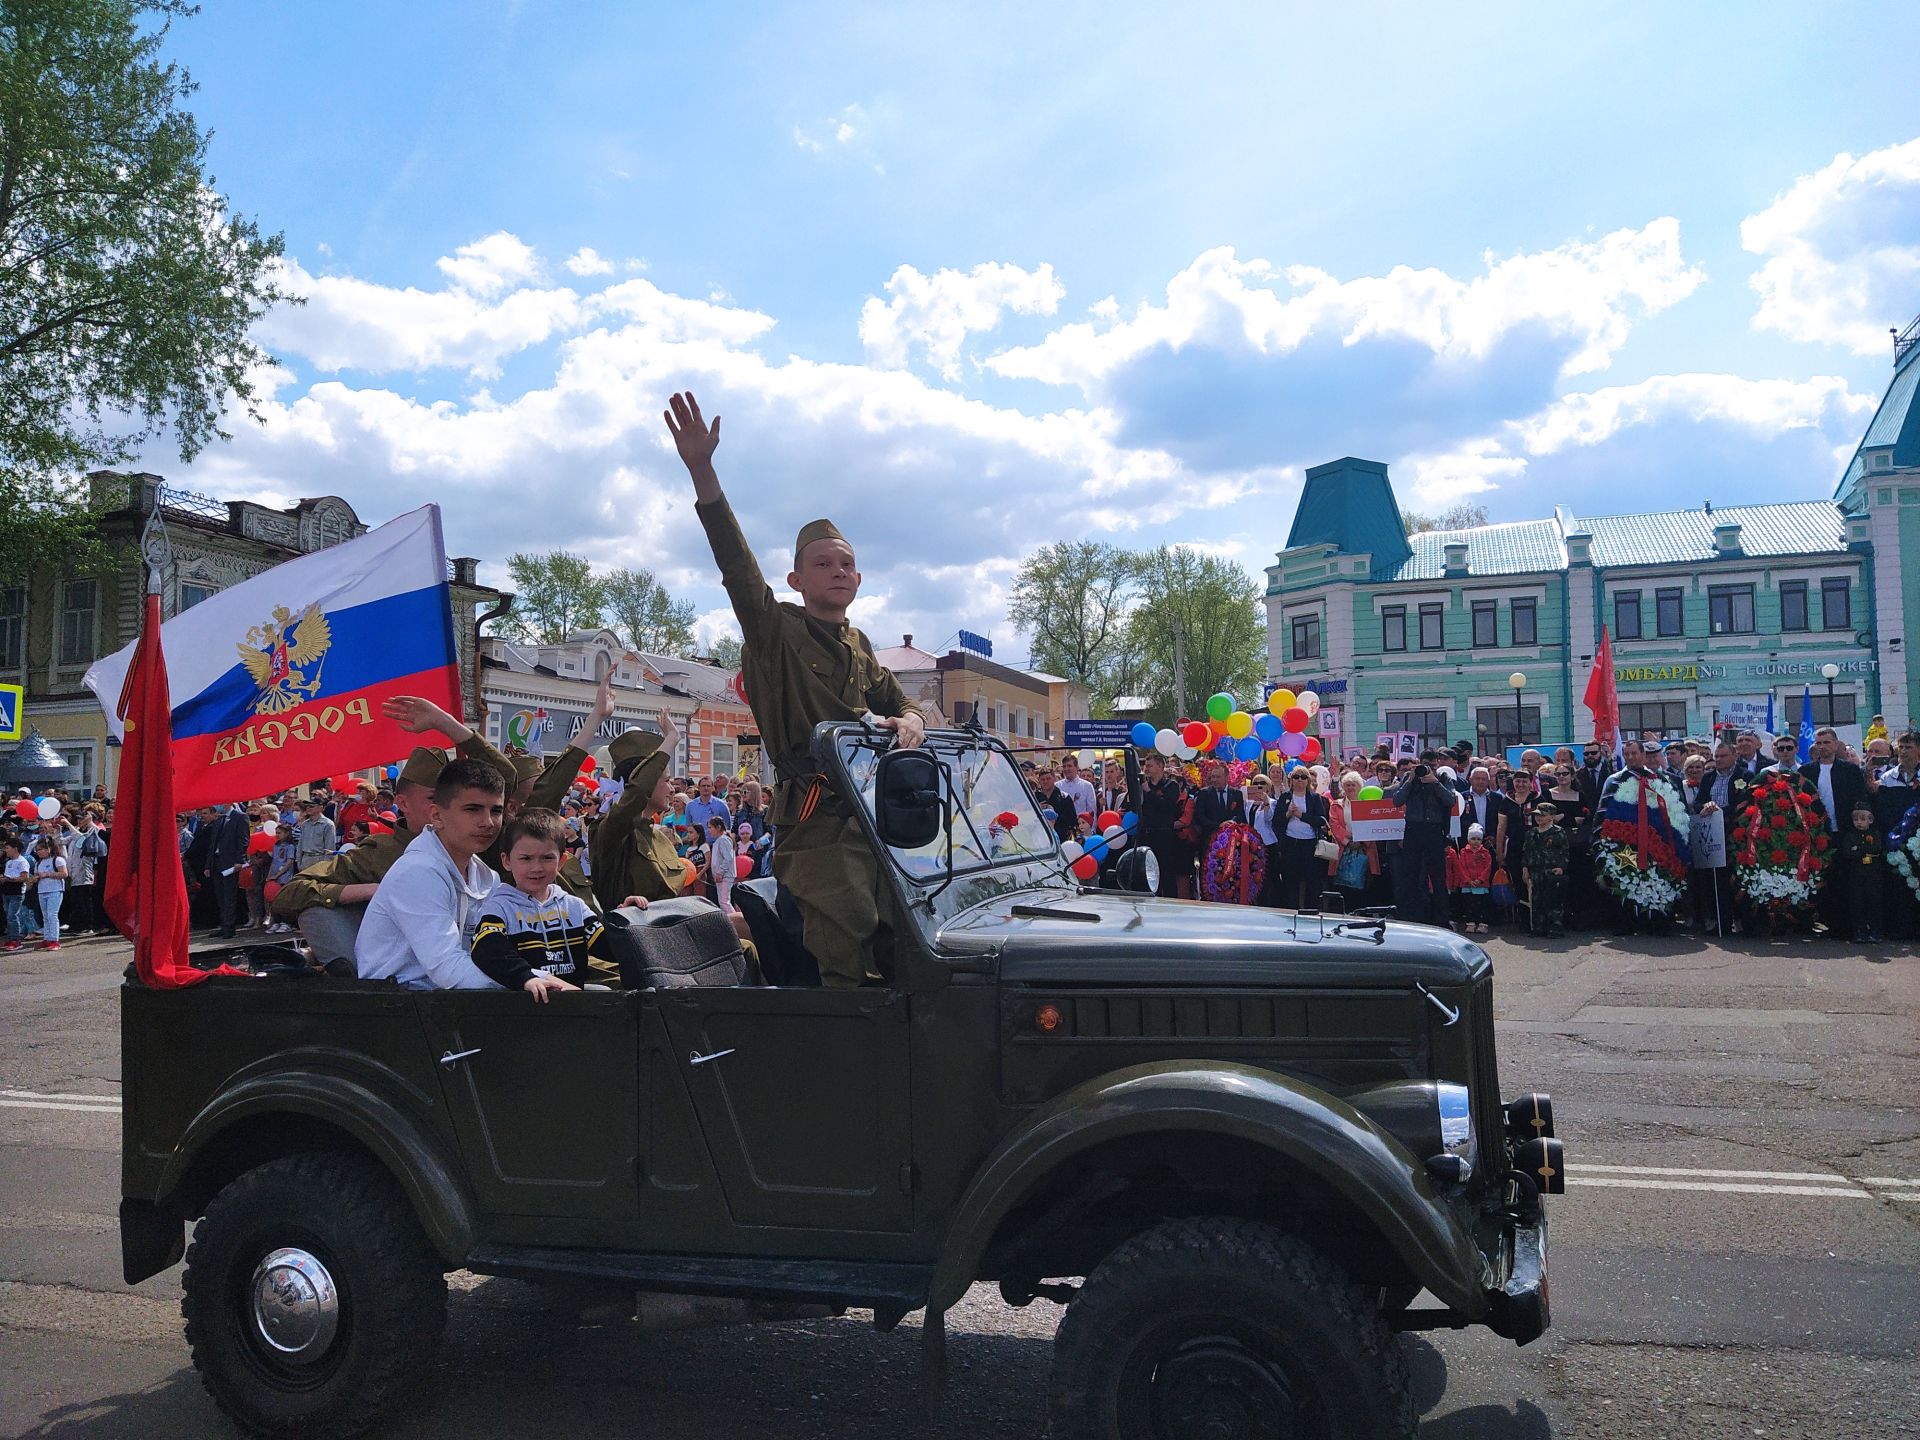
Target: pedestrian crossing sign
{"points": [[13, 701]]}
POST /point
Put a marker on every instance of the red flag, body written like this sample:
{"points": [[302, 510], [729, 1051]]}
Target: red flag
{"points": [[1603, 699], [146, 891]]}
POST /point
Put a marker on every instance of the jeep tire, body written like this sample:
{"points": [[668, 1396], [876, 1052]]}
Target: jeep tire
{"points": [[310, 1295], [1230, 1329]]}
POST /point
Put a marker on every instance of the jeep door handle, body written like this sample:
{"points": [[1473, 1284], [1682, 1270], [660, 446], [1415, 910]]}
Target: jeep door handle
{"points": [[454, 1057], [696, 1058]]}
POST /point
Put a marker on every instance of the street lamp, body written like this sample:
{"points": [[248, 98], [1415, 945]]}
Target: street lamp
{"points": [[1832, 672], [1519, 683]]}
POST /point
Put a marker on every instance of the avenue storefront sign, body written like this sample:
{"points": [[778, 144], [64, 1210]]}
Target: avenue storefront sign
{"points": [[1681, 672]]}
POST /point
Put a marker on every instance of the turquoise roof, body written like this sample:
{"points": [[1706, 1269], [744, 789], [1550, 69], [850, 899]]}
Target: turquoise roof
{"points": [[1675, 537], [1349, 504], [1524, 547], [1895, 423]]}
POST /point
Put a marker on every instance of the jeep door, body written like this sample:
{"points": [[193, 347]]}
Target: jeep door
{"points": [[801, 1096]]}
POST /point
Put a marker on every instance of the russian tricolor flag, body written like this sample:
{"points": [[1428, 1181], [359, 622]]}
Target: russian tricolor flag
{"points": [[280, 678]]}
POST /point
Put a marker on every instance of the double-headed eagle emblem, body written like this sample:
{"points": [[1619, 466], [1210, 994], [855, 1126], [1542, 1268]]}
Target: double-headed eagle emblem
{"points": [[284, 657]]}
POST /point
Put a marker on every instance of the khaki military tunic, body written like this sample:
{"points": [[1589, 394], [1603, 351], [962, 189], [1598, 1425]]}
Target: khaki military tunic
{"points": [[801, 672]]}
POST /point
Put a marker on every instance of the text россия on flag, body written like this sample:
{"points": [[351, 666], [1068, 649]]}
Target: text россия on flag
{"points": [[280, 678]]}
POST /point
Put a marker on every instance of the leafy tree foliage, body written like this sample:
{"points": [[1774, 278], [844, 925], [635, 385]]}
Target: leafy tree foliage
{"points": [[554, 594], [643, 614], [127, 287], [726, 653], [1072, 598], [1464, 515], [1211, 607]]}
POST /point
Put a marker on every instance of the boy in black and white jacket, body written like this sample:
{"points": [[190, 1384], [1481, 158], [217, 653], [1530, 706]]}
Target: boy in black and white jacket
{"points": [[532, 934]]}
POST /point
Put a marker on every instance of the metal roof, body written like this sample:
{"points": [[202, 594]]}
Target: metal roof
{"points": [[1349, 504], [1518, 548], [1677, 537], [1895, 423]]}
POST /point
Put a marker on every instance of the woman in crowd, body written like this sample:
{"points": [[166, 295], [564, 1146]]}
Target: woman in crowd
{"points": [[1576, 811], [1302, 823], [1261, 814], [1516, 815], [1357, 868]]}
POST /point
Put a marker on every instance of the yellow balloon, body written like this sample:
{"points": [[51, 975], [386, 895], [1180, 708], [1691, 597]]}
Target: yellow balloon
{"points": [[1280, 702], [1239, 724]]}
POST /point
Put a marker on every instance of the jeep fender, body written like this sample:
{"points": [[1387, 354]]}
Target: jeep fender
{"points": [[1324, 1136], [393, 1137]]}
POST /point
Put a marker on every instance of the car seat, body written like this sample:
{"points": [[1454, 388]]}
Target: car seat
{"points": [[774, 921], [673, 944]]}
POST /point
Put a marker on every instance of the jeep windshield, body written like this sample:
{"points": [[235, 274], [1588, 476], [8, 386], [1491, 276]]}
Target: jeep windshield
{"points": [[995, 819]]}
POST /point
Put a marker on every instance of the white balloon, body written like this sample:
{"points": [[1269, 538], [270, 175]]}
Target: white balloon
{"points": [[1070, 851], [1116, 840], [1166, 742], [1308, 701], [49, 808], [1086, 759], [1113, 830], [1186, 752]]}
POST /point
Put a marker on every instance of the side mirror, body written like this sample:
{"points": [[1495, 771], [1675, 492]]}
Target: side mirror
{"points": [[910, 808]]}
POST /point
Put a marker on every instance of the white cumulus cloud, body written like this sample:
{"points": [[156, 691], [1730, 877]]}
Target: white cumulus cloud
{"points": [[588, 261], [492, 264], [1842, 249], [935, 313]]}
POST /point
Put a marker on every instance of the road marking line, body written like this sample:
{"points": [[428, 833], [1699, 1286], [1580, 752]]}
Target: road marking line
{"points": [[1886, 1180], [60, 1105], [1577, 1178], [59, 1095], [1824, 1176]]}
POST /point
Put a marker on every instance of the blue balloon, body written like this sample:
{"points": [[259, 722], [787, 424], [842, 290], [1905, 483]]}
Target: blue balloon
{"points": [[1246, 749], [1096, 848], [1143, 735], [1129, 820], [1225, 748], [1268, 728]]}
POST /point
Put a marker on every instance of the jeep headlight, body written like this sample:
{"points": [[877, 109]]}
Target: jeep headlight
{"points": [[1455, 1160]]}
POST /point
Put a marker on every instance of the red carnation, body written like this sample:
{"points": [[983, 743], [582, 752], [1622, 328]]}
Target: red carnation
{"points": [[1819, 842], [1778, 857], [1797, 837]]}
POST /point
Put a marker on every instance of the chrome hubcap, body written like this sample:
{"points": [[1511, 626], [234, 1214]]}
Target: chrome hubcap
{"points": [[295, 1306]]}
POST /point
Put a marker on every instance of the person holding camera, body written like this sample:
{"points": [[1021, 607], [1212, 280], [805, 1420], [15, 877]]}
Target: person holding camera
{"points": [[1420, 877]]}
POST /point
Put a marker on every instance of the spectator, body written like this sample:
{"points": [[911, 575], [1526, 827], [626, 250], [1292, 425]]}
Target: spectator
{"points": [[1482, 802], [1215, 805], [1470, 878], [1420, 880], [752, 812], [1261, 814], [1302, 825], [226, 852], [1841, 785], [705, 805], [283, 863], [1576, 816], [1545, 873], [721, 863], [1076, 788], [49, 882], [1863, 856], [1163, 800], [1054, 803], [317, 838], [14, 876], [360, 808], [86, 851]]}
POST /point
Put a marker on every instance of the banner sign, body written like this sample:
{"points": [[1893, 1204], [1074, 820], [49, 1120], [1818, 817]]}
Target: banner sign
{"points": [[1744, 712], [13, 708], [1098, 734], [1708, 839], [1330, 723], [1378, 820]]}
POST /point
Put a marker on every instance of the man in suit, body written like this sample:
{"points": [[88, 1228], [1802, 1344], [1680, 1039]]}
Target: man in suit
{"points": [[1420, 879], [1839, 783], [1722, 789], [1483, 805], [226, 853], [1218, 803], [1595, 766]]}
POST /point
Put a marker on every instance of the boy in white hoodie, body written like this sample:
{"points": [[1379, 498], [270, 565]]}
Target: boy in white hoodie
{"points": [[419, 925]]}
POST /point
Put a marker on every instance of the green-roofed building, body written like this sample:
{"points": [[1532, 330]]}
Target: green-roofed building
{"points": [[1714, 611]]}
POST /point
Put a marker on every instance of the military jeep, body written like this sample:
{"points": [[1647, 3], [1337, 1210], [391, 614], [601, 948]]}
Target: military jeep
{"points": [[1235, 1144]]}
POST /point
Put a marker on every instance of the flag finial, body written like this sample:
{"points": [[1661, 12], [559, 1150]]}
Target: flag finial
{"points": [[156, 549]]}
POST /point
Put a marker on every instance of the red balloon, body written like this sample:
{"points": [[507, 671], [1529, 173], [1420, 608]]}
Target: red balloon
{"points": [[589, 783], [1312, 752], [1086, 867], [1295, 719], [1196, 733], [260, 843], [1108, 818], [742, 866], [27, 810], [588, 764]]}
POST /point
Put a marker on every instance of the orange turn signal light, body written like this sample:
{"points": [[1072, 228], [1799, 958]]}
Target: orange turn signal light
{"points": [[1048, 1019]]}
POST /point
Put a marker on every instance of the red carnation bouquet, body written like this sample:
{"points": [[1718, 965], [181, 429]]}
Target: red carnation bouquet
{"points": [[1780, 849]]}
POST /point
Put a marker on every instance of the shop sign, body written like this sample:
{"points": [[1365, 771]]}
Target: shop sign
{"points": [[1810, 667], [1322, 688], [540, 730], [1673, 673]]}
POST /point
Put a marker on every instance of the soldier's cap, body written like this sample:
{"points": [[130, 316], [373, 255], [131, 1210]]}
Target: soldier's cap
{"points": [[527, 767], [816, 530], [1546, 807], [423, 767], [629, 749]]}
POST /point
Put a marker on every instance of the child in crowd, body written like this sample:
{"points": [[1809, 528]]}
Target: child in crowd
{"points": [[1545, 871], [283, 863], [50, 885], [1470, 878], [357, 834], [721, 865], [13, 887], [532, 935], [1863, 854]]}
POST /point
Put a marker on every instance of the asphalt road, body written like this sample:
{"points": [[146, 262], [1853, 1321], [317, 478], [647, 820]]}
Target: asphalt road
{"points": [[1738, 1253]]}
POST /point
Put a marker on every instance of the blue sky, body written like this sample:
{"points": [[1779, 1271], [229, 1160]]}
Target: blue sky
{"points": [[975, 278]]}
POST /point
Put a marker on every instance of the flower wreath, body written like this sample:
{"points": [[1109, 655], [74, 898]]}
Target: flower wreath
{"points": [[1651, 877], [1235, 866], [1780, 850], [1903, 848]]}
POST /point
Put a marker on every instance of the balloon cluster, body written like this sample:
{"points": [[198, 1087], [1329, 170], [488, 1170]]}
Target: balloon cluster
{"points": [[45, 808], [1111, 831], [1230, 733]]}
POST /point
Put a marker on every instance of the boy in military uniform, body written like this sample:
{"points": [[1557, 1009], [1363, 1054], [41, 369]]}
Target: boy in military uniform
{"points": [[631, 855], [1863, 856], [1544, 869], [804, 664]]}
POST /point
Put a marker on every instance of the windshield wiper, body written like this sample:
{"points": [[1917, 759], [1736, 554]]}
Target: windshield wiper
{"points": [[1050, 912]]}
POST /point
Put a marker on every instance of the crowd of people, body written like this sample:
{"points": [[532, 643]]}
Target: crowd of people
{"points": [[55, 865], [1672, 836]]}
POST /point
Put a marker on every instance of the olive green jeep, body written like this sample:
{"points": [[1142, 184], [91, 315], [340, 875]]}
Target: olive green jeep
{"points": [[1234, 1143]]}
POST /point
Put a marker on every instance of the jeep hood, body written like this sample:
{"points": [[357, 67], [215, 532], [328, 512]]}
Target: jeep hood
{"points": [[1105, 937]]}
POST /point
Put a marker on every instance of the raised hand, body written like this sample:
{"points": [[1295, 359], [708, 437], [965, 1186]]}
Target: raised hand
{"points": [[692, 436], [416, 716]]}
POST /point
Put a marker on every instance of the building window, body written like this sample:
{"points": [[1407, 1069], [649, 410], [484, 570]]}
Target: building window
{"points": [[724, 758], [79, 760], [1495, 724], [1626, 615], [1393, 628], [1842, 712], [1486, 625], [1306, 637], [1793, 605], [1836, 603], [1432, 628], [191, 595], [1030, 730], [962, 711], [1730, 609], [1668, 616], [1431, 725], [1665, 718], [993, 717], [1525, 617], [78, 599], [13, 627]]}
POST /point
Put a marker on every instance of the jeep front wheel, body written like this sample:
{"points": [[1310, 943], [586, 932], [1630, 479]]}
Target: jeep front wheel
{"points": [[1216, 1329], [310, 1295]]}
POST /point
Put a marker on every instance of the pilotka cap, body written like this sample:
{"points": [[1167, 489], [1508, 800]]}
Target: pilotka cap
{"points": [[817, 530]]}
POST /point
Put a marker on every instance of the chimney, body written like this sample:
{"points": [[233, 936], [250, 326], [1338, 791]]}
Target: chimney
{"points": [[1456, 557], [907, 641], [1726, 538]]}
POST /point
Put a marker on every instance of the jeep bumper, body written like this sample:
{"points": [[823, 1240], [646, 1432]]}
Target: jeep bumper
{"points": [[1519, 1309]]}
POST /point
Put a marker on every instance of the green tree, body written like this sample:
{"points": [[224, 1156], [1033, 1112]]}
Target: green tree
{"points": [[644, 615], [1463, 515], [127, 288], [726, 653], [1072, 598], [554, 594], [1206, 610]]}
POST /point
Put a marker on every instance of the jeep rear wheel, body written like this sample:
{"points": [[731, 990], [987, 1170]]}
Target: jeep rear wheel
{"points": [[310, 1295], [1219, 1329]]}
